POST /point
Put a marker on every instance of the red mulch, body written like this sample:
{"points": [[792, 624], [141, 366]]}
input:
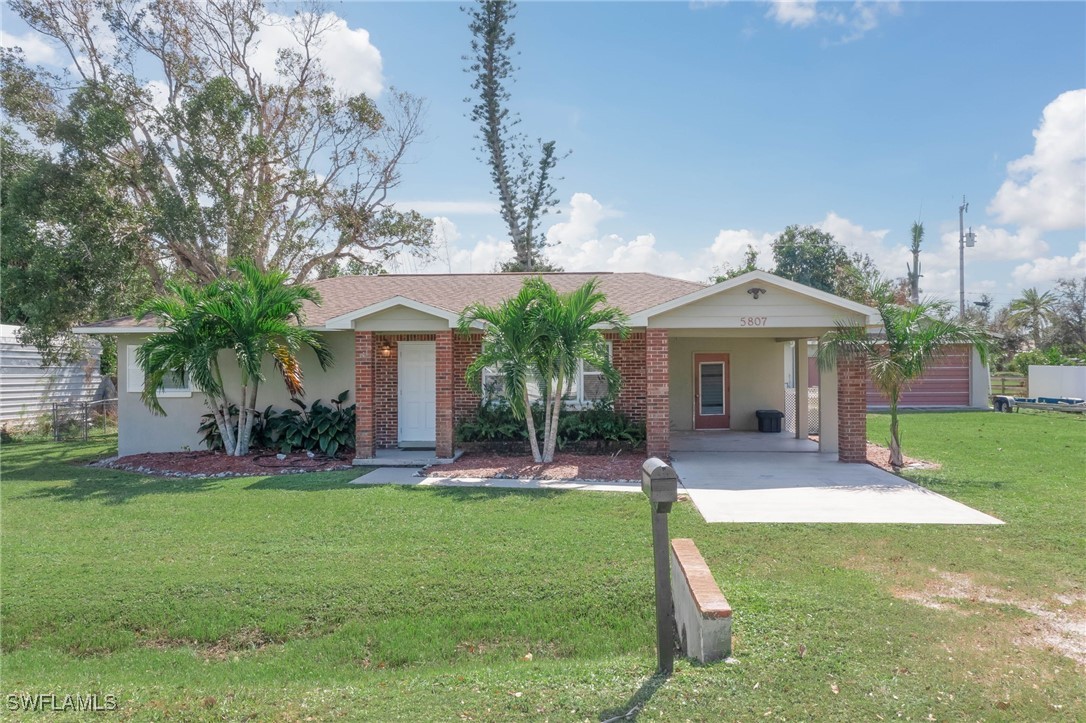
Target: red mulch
{"points": [[217, 464], [623, 467]]}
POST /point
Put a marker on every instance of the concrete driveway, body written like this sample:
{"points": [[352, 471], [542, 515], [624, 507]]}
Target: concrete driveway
{"points": [[773, 485]]}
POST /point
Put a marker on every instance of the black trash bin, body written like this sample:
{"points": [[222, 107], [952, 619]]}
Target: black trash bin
{"points": [[769, 420]]}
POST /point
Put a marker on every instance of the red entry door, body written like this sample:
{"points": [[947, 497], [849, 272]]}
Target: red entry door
{"points": [[712, 391]]}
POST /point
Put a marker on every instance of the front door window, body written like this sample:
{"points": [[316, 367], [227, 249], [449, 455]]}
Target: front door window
{"points": [[712, 391]]}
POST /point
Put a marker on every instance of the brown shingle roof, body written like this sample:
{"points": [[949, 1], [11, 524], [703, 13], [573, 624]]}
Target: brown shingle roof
{"points": [[630, 292]]}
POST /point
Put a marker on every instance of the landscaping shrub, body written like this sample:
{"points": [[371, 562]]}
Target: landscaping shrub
{"points": [[318, 428], [495, 426], [321, 428]]}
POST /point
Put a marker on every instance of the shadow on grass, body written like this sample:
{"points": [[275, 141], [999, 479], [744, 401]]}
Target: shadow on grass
{"points": [[633, 706], [307, 482], [117, 489]]}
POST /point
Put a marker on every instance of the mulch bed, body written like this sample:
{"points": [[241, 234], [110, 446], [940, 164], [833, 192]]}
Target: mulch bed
{"points": [[217, 464], [597, 467], [879, 456]]}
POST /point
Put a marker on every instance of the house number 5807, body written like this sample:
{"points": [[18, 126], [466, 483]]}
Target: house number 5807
{"points": [[752, 321]]}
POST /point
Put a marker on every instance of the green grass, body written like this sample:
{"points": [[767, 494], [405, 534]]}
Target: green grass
{"points": [[302, 597]]}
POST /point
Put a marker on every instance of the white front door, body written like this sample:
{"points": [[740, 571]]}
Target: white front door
{"points": [[418, 394]]}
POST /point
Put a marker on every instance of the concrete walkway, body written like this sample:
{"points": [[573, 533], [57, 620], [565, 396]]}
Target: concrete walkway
{"points": [[730, 486], [406, 476]]}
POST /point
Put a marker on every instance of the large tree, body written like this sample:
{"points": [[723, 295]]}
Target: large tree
{"points": [[1069, 317], [523, 183], [208, 155], [813, 257], [1034, 310], [912, 335]]}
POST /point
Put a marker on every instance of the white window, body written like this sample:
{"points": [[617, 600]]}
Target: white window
{"points": [[173, 385], [589, 385]]}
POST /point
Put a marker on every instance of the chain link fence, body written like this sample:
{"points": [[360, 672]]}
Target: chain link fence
{"points": [[84, 421]]}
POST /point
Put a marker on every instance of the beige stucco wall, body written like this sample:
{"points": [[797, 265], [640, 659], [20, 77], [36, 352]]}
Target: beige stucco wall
{"points": [[141, 431], [778, 312], [401, 320], [757, 377]]}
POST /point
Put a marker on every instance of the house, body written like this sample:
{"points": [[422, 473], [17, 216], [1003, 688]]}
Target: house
{"points": [[698, 358]]}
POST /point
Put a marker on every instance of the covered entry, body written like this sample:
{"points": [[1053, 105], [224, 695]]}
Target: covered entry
{"points": [[725, 357]]}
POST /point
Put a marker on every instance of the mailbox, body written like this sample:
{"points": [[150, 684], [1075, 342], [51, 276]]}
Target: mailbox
{"points": [[660, 484]]}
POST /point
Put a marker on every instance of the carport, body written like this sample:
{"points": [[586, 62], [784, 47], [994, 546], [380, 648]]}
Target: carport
{"points": [[752, 477]]}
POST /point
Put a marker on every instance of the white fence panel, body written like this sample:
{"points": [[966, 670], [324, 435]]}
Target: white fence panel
{"points": [[1053, 381]]}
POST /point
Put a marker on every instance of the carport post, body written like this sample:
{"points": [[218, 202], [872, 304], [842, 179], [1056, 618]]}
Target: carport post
{"points": [[660, 484]]}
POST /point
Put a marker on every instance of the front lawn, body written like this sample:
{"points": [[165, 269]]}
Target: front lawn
{"points": [[301, 597]]}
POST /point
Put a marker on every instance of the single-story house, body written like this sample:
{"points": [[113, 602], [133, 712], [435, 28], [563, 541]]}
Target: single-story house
{"points": [[698, 358]]}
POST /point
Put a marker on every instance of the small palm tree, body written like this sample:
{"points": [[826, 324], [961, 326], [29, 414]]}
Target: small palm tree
{"points": [[259, 315], [568, 334], [911, 337], [250, 317], [190, 348], [1034, 311], [543, 335], [509, 343]]}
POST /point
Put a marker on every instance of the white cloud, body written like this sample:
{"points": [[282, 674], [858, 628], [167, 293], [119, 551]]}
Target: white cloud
{"points": [[855, 19], [997, 244], [1043, 272], [35, 47], [795, 13], [454, 208], [346, 53], [1047, 188]]}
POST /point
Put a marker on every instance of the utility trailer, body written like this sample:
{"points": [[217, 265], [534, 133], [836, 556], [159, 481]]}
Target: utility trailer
{"points": [[1006, 403]]}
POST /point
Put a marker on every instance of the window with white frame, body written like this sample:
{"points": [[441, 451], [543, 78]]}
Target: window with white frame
{"points": [[173, 385], [589, 385]]}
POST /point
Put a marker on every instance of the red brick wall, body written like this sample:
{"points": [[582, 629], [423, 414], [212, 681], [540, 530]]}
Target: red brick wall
{"points": [[657, 403], [364, 435], [465, 400], [386, 401], [443, 371], [851, 409], [628, 358]]}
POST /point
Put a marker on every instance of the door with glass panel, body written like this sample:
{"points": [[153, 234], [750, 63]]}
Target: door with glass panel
{"points": [[712, 391]]}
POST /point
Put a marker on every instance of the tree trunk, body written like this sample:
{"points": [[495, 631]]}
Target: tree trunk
{"points": [[220, 410], [250, 418], [530, 420], [242, 414], [896, 460], [552, 421]]}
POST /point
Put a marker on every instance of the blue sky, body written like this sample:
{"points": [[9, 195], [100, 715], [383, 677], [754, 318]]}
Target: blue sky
{"points": [[696, 128]]}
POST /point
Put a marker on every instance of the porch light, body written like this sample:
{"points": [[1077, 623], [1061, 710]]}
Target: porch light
{"points": [[755, 291], [386, 348]]}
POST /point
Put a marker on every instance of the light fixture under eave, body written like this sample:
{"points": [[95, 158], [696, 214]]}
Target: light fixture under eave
{"points": [[386, 348], [756, 291]]}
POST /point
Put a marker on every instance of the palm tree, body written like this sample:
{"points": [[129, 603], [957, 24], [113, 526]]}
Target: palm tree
{"points": [[569, 334], [190, 349], [543, 335], [911, 337], [509, 343], [251, 316], [260, 316], [1035, 311]]}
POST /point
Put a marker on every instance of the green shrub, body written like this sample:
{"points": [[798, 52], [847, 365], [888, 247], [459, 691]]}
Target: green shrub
{"points": [[321, 428], [1049, 357], [494, 422], [318, 428]]}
